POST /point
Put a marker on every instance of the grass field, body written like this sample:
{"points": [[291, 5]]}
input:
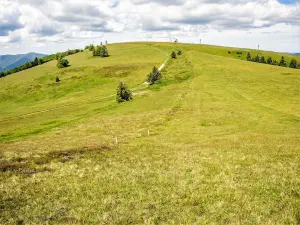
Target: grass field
{"points": [[224, 143]]}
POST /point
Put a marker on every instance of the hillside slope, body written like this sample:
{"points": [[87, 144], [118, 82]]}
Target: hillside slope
{"points": [[8, 62], [216, 142]]}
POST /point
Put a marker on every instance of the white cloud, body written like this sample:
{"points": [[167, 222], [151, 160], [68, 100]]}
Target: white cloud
{"points": [[65, 24]]}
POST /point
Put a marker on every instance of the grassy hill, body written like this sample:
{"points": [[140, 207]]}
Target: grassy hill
{"points": [[8, 62], [223, 144]]}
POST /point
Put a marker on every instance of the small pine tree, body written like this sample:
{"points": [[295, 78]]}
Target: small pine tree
{"points": [[262, 60], [173, 55], [35, 61], [248, 56], [269, 60], [104, 52], [105, 42], [123, 93], [282, 62], [179, 52], [154, 76], [274, 63], [293, 63], [57, 79]]}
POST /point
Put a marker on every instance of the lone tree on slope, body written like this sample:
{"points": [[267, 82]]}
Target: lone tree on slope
{"points": [[61, 63], [154, 76], [123, 93], [173, 55]]}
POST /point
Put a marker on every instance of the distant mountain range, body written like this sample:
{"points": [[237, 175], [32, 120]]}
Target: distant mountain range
{"points": [[8, 62], [296, 54]]}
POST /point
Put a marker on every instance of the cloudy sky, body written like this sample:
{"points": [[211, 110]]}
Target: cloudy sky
{"points": [[48, 26]]}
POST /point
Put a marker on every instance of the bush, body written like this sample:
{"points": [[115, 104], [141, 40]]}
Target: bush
{"points": [[256, 59], [239, 53], [269, 60], [100, 51], [179, 52], [154, 76], [293, 63], [173, 55], [123, 93], [229, 52], [282, 62], [262, 60], [61, 63], [57, 79], [248, 56]]}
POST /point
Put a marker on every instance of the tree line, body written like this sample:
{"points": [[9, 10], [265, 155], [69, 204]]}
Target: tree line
{"points": [[293, 63], [39, 61]]}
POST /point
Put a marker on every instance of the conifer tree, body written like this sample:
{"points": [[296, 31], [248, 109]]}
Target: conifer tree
{"points": [[269, 60], [262, 60], [154, 76], [282, 62], [293, 63], [123, 93], [248, 56], [104, 52], [173, 55]]}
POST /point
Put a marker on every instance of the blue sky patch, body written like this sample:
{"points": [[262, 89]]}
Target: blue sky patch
{"points": [[117, 2], [287, 2]]}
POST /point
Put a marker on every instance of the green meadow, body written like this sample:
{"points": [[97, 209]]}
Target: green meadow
{"points": [[217, 141]]}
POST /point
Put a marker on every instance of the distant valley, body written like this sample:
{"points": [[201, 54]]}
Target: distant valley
{"points": [[8, 62]]}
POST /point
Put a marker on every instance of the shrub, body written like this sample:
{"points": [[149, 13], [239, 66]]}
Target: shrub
{"points": [[229, 52], [274, 63], [256, 59], [262, 60], [239, 53], [248, 56], [2, 74], [173, 55], [61, 63], [57, 79], [179, 52], [154, 76], [293, 63], [282, 62], [269, 60], [123, 93]]}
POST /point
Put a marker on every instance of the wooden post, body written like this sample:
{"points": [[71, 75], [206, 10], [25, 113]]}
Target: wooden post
{"points": [[116, 140], [148, 132]]}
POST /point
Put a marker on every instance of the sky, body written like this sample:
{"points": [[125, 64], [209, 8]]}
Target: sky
{"points": [[49, 26]]}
